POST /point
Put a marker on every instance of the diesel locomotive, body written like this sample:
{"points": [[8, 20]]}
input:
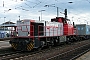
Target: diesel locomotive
{"points": [[33, 34]]}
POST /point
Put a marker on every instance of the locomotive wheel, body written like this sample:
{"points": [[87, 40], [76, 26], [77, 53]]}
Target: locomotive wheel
{"points": [[30, 46]]}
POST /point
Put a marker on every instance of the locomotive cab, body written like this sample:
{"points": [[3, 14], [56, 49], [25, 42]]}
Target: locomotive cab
{"points": [[68, 28]]}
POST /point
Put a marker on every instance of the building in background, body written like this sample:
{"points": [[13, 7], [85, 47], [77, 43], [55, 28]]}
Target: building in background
{"points": [[5, 29]]}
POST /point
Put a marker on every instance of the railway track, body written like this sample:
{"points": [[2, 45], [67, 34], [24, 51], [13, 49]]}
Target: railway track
{"points": [[9, 53], [72, 54], [80, 54], [16, 54], [6, 50], [55, 53]]}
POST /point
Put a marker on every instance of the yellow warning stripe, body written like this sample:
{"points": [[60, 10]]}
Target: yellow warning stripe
{"points": [[30, 46], [14, 45]]}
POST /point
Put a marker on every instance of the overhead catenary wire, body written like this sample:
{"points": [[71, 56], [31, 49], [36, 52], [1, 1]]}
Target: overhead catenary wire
{"points": [[29, 5]]}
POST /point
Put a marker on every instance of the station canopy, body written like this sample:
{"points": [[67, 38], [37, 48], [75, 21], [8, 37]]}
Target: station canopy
{"points": [[8, 24]]}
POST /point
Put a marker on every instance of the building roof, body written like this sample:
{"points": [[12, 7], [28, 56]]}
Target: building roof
{"points": [[8, 24]]}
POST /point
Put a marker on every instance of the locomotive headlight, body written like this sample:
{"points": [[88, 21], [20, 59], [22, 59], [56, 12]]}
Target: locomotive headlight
{"points": [[22, 21], [28, 34], [17, 33]]}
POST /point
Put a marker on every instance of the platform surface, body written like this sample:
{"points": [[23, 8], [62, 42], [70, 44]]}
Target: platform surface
{"points": [[86, 56], [5, 39], [4, 44]]}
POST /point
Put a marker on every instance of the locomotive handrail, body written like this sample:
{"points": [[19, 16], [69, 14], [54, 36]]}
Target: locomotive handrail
{"points": [[49, 31], [32, 32], [20, 28]]}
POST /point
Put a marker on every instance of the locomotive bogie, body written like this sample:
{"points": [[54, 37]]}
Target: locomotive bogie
{"points": [[62, 39]]}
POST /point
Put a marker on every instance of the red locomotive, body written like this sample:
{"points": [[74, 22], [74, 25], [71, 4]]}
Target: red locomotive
{"points": [[31, 34]]}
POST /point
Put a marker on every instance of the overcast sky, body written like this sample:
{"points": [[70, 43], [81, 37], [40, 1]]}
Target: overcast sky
{"points": [[78, 10]]}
